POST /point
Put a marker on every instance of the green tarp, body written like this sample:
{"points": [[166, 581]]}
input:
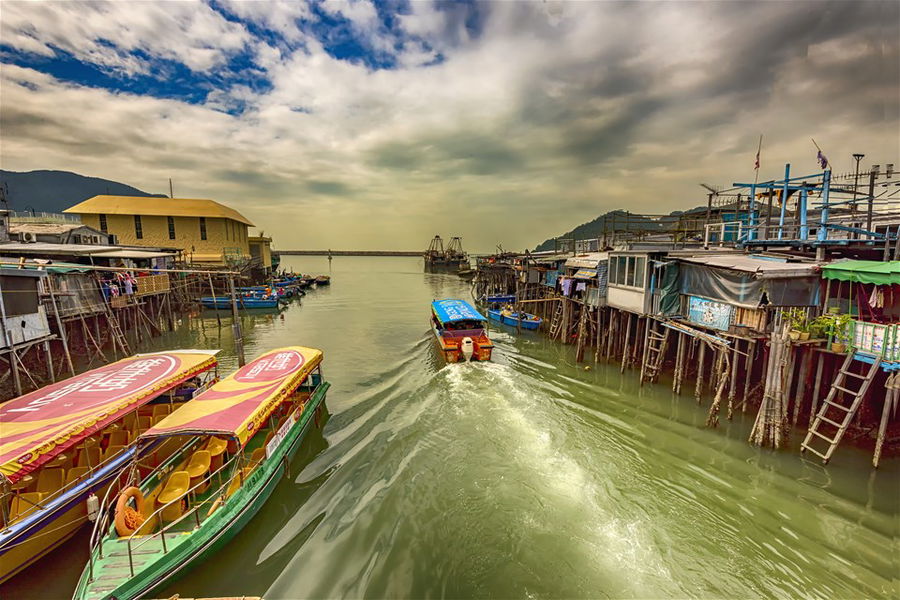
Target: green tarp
{"points": [[864, 271]]}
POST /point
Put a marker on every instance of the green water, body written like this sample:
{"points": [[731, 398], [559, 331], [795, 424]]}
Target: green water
{"points": [[524, 477]]}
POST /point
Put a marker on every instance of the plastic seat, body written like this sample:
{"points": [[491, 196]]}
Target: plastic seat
{"points": [[130, 421], [22, 504], [111, 451], [119, 437], [75, 473], [50, 480], [88, 457], [176, 487], [216, 448], [257, 457], [161, 410], [143, 424], [198, 467]]}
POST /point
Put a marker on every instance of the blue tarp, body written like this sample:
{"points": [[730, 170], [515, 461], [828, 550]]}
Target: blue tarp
{"points": [[448, 311]]}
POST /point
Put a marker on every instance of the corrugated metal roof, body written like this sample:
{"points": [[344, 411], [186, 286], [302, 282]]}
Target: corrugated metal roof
{"points": [[122, 253], [587, 261], [763, 267], [158, 207], [48, 228]]}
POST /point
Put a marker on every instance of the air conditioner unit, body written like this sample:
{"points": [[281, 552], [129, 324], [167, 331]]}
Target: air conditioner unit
{"points": [[27, 236]]}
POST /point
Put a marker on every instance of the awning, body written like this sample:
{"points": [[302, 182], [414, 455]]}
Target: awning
{"points": [[762, 267], [448, 311], [42, 424], [131, 254], [585, 274], [240, 403], [864, 271], [590, 260]]}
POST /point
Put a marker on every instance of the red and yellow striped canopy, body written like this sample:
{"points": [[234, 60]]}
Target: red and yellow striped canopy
{"points": [[39, 426], [239, 404]]}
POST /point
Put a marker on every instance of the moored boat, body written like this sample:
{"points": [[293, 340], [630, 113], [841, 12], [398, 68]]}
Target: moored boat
{"points": [[510, 317], [224, 302], [234, 442], [65, 443], [460, 331], [323, 280]]}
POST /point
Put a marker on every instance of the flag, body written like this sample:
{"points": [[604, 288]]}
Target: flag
{"points": [[823, 162]]}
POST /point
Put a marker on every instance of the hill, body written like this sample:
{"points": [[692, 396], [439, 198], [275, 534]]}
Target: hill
{"points": [[54, 191], [613, 220]]}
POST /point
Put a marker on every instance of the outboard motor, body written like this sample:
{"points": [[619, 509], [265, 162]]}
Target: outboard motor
{"points": [[467, 347]]}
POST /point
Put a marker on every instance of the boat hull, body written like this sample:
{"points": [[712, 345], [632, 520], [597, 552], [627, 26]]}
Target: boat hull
{"points": [[217, 530], [531, 322], [225, 303], [450, 347]]}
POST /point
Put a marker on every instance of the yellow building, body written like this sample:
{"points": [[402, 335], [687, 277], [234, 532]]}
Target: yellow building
{"points": [[261, 252], [206, 231]]}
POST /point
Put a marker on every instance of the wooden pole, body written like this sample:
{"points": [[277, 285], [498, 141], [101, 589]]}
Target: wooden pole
{"points": [[236, 324], [698, 389], [735, 359], [627, 342], [215, 301], [63, 336], [815, 395], [50, 368]]}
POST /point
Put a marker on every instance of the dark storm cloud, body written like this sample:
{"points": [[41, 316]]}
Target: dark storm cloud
{"points": [[458, 152], [328, 188]]}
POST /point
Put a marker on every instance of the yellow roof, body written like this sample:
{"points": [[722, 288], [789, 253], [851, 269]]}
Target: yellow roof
{"points": [[153, 206]]}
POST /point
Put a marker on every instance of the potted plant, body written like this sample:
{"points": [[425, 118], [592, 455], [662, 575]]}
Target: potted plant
{"points": [[799, 324], [838, 328], [819, 327]]}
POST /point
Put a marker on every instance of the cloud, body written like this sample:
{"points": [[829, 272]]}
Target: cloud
{"points": [[379, 122]]}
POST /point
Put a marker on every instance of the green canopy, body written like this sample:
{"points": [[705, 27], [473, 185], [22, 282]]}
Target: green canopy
{"points": [[864, 271]]}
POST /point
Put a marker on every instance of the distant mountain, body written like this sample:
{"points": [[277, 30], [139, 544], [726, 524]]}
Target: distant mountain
{"points": [[55, 191], [614, 219]]}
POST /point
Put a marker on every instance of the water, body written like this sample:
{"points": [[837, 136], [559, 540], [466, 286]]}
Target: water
{"points": [[527, 477]]}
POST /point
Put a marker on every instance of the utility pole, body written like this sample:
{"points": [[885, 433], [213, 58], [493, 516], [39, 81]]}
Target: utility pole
{"points": [[236, 324], [872, 174], [171, 190], [857, 157]]}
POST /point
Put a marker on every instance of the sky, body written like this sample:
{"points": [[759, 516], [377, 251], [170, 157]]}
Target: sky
{"points": [[360, 125]]}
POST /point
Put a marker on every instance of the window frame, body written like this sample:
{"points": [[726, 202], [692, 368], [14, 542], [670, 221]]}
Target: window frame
{"points": [[170, 222], [138, 227], [203, 234], [104, 224]]}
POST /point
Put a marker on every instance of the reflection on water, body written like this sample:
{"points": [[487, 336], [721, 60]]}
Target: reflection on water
{"points": [[527, 476]]}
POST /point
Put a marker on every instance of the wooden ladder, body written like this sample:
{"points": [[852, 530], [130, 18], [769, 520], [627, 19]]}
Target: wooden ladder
{"points": [[118, 336], [556, 321], [841, 412], [656, 354]]}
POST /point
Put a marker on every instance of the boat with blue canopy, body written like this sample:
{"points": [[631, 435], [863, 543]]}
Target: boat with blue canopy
{"points": [[460, 331], [224, 302]]}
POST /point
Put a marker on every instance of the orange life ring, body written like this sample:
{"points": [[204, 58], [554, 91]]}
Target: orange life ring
{"points": [[128, 520]]}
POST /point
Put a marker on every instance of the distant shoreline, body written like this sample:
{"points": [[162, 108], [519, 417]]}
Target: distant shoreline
{"points": [[348, 253]]}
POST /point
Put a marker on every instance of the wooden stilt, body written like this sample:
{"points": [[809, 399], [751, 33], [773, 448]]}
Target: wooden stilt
{"points": [[698, 389], [735, 359], [748, 374], [627, 341], [815, 395], [892, 387]]}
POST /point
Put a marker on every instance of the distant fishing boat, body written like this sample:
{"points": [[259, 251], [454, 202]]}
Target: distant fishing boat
{"points": [[224, 302], [460, 331], [509, 317], [233, 443], [323, 280], [64, 444]]}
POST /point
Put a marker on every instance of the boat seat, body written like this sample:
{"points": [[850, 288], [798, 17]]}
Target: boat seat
{"points": [[130, 420], [257, 457], [216, 448], [119, 437], [50, 480], [176, 487], [111, 451], [162, 409], [143, 424], [197, 468], [156, 419], [88, 457], [24, 503], [76, 473]]}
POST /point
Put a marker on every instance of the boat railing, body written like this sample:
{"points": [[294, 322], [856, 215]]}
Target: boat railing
{"points": [[50, 497]]}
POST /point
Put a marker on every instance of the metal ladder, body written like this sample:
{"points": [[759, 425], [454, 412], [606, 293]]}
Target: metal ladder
{"points": [[842, 413], [556, 321], [656, 354]]}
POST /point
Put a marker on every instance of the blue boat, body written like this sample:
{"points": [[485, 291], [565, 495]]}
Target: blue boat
{"points": [[224, 303], [499, 299], [529, 321]]}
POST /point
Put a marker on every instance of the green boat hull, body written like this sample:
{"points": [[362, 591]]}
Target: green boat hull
{"points": [[188, 549]]}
